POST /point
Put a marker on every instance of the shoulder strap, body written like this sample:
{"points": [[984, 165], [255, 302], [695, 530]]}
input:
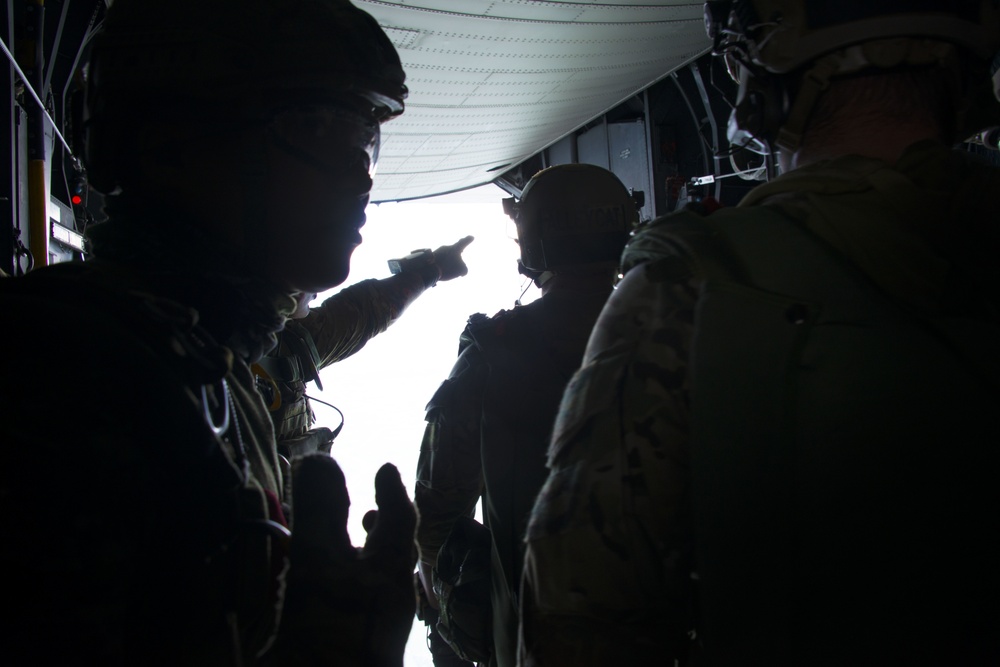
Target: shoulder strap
{"points": [[303, 350]]}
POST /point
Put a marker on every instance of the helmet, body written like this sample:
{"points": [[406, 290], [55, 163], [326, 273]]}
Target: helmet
{"points": [[233, 58], [784, 53], [572, 215]]}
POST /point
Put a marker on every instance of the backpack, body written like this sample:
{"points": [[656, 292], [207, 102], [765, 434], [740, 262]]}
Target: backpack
{"points": [[835, 484]]}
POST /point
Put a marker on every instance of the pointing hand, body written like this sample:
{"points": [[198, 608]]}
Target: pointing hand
{"points": [[448, 259]]}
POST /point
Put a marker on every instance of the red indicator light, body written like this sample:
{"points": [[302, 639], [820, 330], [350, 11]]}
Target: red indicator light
{"points": [[76, 199]]}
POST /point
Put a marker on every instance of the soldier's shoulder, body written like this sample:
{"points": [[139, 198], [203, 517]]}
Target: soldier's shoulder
{"points": [[481, 321], [485, 329], [120, 320], [691, 215], [477, 321], [696, 229]]}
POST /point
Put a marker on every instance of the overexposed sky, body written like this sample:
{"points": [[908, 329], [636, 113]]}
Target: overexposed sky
{"points": [[383, 389]]}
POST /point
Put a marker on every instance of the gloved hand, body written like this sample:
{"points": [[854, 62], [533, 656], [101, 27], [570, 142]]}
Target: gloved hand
{"points": [[343, 605], [448, 259], [442, 655]]}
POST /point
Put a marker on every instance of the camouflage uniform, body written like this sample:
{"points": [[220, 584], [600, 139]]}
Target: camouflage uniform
{"points": [[331, 332], [488, 427], [783, 419], [162, 506], [142, 494]]}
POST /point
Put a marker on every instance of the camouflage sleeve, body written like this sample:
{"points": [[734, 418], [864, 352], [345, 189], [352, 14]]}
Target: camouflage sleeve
{"points": [[346, 321], [607, 567], [449, 470]]}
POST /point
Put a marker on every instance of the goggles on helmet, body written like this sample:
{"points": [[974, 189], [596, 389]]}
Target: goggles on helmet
{"points": [[329, 136]]}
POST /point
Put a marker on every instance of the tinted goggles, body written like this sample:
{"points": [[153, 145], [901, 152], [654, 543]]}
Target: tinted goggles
{"points": [[331, 137]]}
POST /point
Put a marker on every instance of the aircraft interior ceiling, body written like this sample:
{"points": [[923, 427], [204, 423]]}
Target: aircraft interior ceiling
{"points": [[498, 90], [493, 82]]}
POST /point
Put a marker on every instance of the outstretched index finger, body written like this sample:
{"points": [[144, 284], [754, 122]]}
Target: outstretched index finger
{"points": [[391, 538]]}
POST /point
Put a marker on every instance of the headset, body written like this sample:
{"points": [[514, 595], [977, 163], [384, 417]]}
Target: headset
{"points": [[784, 54]]}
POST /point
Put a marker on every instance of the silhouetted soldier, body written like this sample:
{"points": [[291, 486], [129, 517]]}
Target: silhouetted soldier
{"points": [[141, 492], [783, 436], [490, 421]]}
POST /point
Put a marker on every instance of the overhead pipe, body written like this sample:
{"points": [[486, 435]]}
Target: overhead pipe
{"points": [[39, 122], [694, 118], [34, 95], [709, 113], [38, 198]]}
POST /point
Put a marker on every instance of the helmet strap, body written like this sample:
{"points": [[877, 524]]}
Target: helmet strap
{"points": [[540, 277], [814, 82], [878, 55], [544, 277]]}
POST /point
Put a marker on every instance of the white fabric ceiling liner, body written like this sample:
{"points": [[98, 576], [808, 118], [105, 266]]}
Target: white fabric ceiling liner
{"points": [[493, 82]]}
